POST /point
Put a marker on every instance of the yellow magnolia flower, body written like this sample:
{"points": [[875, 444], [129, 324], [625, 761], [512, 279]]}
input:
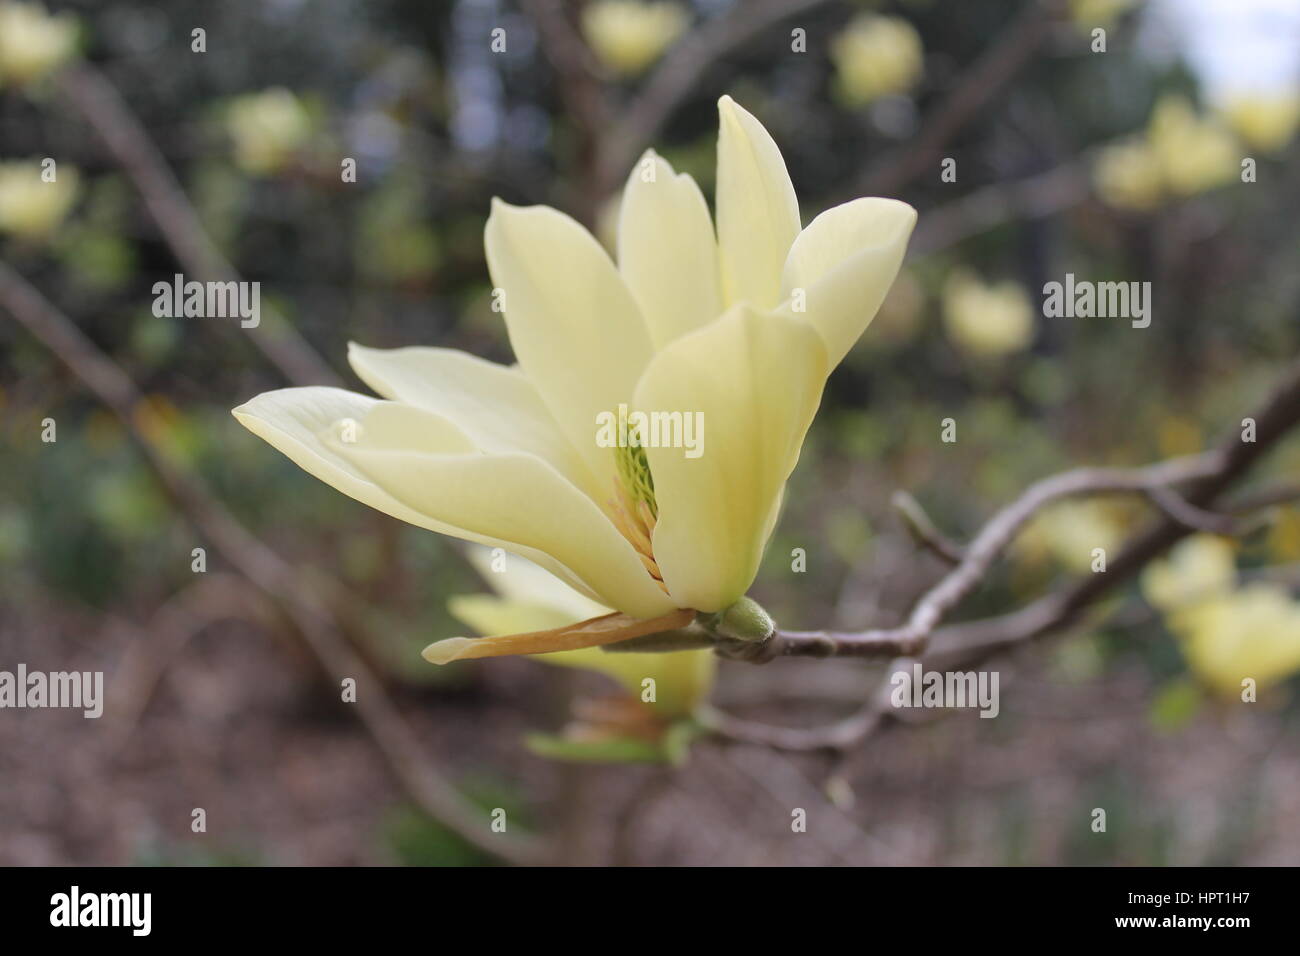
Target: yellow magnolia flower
{"points": [[531, 599], [33, 43], [737, 329], [1198, 568], [266, 128], [1228, 633], [876, 56], [1070, 530], [987, 320], [1128, 175], [1253, 632], [1180, 154], [30, 207], [1265, 121], [1195, 153], [1088, 14], [628, 35]]}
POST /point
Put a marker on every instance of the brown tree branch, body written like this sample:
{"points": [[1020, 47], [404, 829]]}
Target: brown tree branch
{"points": [[1208, 476]]}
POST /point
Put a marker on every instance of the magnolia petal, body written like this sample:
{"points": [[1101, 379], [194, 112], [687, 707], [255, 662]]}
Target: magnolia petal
{"points": [[667, 253], [591, 633], [574, 326], [758, 214], [495, 405], [757, 379], [515, 498], [532, 600], [522, 582], [844, 263], [490, 615], [305, 423]]}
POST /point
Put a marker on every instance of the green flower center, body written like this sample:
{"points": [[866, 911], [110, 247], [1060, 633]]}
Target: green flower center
{"points": [[634, 473]]}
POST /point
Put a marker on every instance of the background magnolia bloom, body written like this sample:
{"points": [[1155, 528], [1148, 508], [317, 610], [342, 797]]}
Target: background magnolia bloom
{"points": [[1265, 121], [1227, 632], [1181, 153], [1196, 153], [30, 207], [266, 128], [1197, 568], [742, 325], [629, 35], [987, 320], [1128, 176], [33, 42], [875, 56]]}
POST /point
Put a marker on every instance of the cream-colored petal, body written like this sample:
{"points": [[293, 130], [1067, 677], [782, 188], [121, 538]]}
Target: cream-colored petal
{"points": [[758, 214], [303, 424], [517, 498], [667, 252], [495, 405], [843, 265], [574, 326], [757, 380], [522, 582], [530, 599]]}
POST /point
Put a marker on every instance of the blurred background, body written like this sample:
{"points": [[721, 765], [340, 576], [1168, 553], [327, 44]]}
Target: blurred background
{"points": [[1122, 161]]}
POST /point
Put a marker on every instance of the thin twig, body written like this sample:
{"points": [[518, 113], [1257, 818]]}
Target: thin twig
{"points": [[265, 570], [977, 558], [680, 74], [970, 93], [126, 138], [922, 529]]}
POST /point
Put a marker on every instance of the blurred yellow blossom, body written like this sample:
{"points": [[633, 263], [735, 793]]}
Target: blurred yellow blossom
{"points": [[1227, 633], [1253, 632], [1195, 153], [1099, 13], [987, 319], [266, 129], [1070, 530], [30, 207], [32, 42], [1127, 175], [876, 56], [1181, 153], [1284, 536], [629, 35], [1201, 566], [1265, 121]]}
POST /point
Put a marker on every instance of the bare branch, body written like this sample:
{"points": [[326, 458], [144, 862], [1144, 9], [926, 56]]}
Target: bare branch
{"points": [[101, 106], [679, 75], [910, 639], [922, 529], [970, 93], [279, 581]]}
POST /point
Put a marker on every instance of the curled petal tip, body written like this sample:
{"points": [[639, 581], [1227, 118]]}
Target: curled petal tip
{"points": [[444, 652]]}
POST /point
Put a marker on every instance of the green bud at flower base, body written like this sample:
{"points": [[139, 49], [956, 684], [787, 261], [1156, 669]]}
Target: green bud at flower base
{"points": [[743, 621]]}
